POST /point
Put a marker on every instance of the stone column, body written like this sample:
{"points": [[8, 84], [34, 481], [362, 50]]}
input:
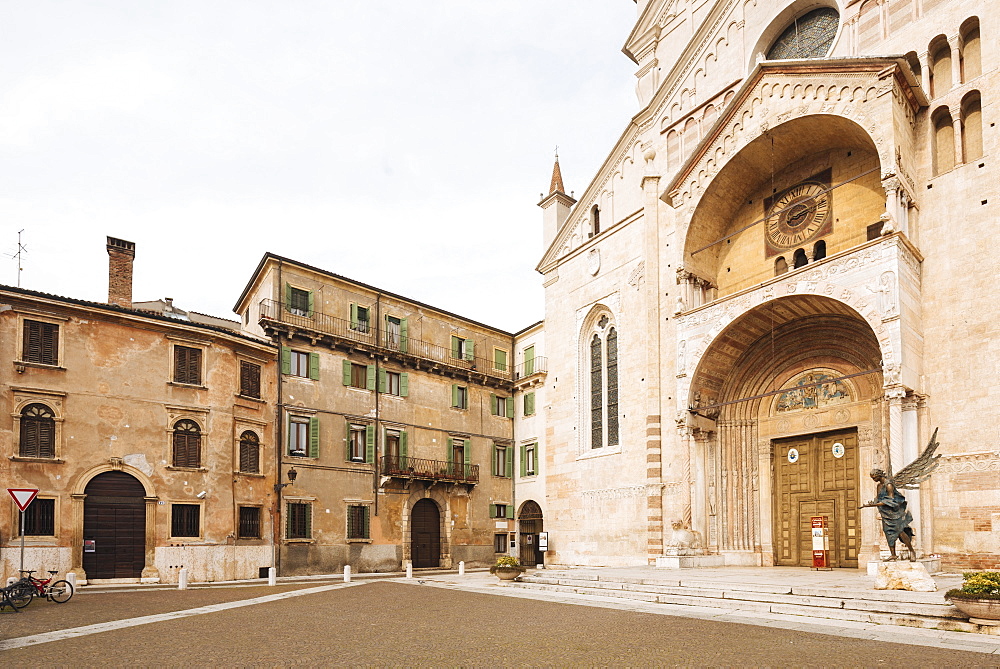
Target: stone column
{"points": [[956, 61], [894, 397], [911, 448], [925, 73], [150, 574], [956, 120], [766, 538], [76, 537]]}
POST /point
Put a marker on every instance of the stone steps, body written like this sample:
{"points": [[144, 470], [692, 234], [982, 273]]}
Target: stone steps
{"points": [[884, 607]]}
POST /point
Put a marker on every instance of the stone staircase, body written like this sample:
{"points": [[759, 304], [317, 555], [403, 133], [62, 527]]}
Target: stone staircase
{"points": [[884, 607]]}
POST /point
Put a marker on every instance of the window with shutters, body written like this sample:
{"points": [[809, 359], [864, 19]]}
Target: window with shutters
{"points": [[187, 444], [38, 432], [298, 520], [502, 454], [249, 523], [250, 452], [358, 522], [459, 397], [498, 510], [502, 406], [299, 301], [529, 459], [360, 318], [298, 436], [500, 360], [357, 446], [299, 364], [461, 348], [359, 376], [529, 404], [40, 344], [39, 518], [529, 361], [187, 365], [500, 543], [392, 383], [249, 379], [185, 520]]}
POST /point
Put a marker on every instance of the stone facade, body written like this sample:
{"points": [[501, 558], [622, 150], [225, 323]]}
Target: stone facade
{"points": [[778, 244]]}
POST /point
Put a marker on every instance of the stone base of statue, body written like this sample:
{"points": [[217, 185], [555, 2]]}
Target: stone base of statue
{"points": [[932, 564], [688, 559], [904, 576]]}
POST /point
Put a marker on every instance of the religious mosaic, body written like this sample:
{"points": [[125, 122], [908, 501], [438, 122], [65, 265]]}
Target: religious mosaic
{"points": [[811, 391]]}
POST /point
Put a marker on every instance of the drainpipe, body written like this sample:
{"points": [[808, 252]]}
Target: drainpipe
{"points": [[513, 445], [378, 431], [276, 514]]}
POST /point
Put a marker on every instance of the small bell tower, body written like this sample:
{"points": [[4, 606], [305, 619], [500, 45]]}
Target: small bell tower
{"points": [[556, 206]]}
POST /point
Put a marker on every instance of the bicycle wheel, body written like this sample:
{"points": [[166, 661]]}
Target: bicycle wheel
{"points": [[20, 594], [60, 592]]}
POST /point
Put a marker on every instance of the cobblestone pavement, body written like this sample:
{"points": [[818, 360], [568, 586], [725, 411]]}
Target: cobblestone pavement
{"points": [[396, 623]]}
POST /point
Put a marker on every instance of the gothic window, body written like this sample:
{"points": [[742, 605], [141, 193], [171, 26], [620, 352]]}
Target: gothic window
{"points": [[187, 444], [602, 355], [38, 432], [808, 36]]}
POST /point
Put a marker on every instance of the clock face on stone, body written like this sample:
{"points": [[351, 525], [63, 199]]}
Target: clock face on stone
{"points": [[797, 215]]}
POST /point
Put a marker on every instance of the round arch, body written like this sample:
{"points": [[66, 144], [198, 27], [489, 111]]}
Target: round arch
{"points": [[780, 23], [81, 483]]}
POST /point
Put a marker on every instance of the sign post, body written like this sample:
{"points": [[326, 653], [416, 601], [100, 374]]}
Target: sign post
{"points": [[22, 497], [820, 543]]}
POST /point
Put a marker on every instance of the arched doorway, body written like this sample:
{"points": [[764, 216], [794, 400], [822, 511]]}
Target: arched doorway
{"points": [[425, 534], [114, 519], [529, 522]]}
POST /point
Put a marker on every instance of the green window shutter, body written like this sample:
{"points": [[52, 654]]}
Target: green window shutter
{"points": [[381, 380], [404, 384], [510, 461], [468, 457], [493, 404], [524, 449], [347, 443], [510, 512], [314, 437], [365, 531], [403, 448], [454, 395], [404, 334], [369, 444], [354, 316], [493, 510], [347, 372], [529, 404], [493, 461], [314, 366], [370, 382], [500, 359], [454, 346], [510, 407], [529, 361], [309, 518], [470, 349], [311, 304], [286, 360]]}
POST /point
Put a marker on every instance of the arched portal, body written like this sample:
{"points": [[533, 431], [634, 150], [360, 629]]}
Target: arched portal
{"points": [[789, 400], [425, 534], [529, 524], [114, 526]]}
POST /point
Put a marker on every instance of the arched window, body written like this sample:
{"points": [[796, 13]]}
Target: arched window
{"points": [[799, 259], [250, 452], [972, 65], [972, 126], [819, 250], [187, 444], [780, 265], [595, 221], [944, 141], [808, 36], [603, 359], [38, 432], [940, 66]]}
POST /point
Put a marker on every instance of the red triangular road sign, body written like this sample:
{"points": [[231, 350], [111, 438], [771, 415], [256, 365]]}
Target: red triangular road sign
{"points": [[23, 496]]}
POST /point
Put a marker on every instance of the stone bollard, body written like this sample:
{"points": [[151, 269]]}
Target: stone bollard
{"points": [[272, 576], [10, 579], [409, 570], [71, 579], [347, 573], [461, 568], [182, 580]]}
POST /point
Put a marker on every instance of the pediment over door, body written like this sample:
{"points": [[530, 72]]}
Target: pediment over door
{"points": [[881, 95]]}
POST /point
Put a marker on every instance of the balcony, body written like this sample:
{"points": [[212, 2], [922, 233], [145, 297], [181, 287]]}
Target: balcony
{"points": [[367, 337], [429, 471]]}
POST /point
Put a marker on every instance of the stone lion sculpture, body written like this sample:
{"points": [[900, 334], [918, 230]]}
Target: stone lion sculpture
{"points": [[684, 541]]}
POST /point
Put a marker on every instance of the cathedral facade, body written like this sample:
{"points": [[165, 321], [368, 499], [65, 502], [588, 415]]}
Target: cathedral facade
{"points": [[778, 280]]}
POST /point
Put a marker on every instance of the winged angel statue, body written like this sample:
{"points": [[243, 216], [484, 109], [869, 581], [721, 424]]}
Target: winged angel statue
{"points": [[890, 502]]}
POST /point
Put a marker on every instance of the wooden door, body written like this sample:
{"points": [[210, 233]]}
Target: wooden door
{"points": [[425, 534], [821, 481], [114, 518]]}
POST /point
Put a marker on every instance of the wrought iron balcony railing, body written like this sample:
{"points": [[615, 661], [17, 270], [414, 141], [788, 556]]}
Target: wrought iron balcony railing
{"points": [[367, 333], [446, 471], [537, 365]]}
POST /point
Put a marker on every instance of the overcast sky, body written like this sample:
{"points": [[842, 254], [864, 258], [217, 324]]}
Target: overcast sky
{"points": [[402, 144]]}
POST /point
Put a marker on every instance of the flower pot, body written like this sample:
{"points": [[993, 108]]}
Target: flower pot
{"points": [[507, 574], [985, 609]]}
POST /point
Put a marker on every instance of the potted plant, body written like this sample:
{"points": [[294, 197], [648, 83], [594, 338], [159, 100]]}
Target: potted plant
{"points": [[979, 596], [507, 568]]}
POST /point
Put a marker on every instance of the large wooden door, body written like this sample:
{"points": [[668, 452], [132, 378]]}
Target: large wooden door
{"points": [[114, 518], [425, 534], [821, 481]]}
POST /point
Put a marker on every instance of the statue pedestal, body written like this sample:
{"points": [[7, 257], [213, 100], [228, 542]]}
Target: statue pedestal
{"points": [[904, 576], [689, 561], [932, 565]]}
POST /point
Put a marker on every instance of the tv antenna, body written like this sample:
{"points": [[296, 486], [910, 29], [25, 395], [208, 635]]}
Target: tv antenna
{"points": [[18, 256]]}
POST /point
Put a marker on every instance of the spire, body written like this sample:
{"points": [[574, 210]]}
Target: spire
{"points": [[557, 183]]}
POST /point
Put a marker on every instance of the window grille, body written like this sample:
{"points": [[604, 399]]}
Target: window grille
{"points": [[297, 521], [249, 522], [39, 518], [357, 522], [185, 520]]}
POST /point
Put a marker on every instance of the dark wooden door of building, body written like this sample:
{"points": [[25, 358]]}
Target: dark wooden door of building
{"points": [[114, 518], [425, 534], [820, 479]]}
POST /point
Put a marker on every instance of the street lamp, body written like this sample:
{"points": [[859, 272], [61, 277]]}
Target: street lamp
{"points": [[292, 475]]}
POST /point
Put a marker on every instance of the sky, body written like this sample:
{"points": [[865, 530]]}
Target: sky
{"points": [[401, 144]]}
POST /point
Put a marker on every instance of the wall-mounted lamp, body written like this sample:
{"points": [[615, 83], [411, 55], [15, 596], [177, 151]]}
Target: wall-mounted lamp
{"points": [[292, 475]]}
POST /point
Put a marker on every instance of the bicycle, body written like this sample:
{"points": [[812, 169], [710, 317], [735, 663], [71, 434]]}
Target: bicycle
{"points": [[15, 598], [58, 591]]}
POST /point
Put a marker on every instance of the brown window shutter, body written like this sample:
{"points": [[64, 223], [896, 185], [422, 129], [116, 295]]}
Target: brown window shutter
{"points": [[40, 343], [249, 379]]}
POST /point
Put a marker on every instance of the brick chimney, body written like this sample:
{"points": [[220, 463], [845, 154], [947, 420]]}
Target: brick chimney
{"points": [[121, 253]]}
